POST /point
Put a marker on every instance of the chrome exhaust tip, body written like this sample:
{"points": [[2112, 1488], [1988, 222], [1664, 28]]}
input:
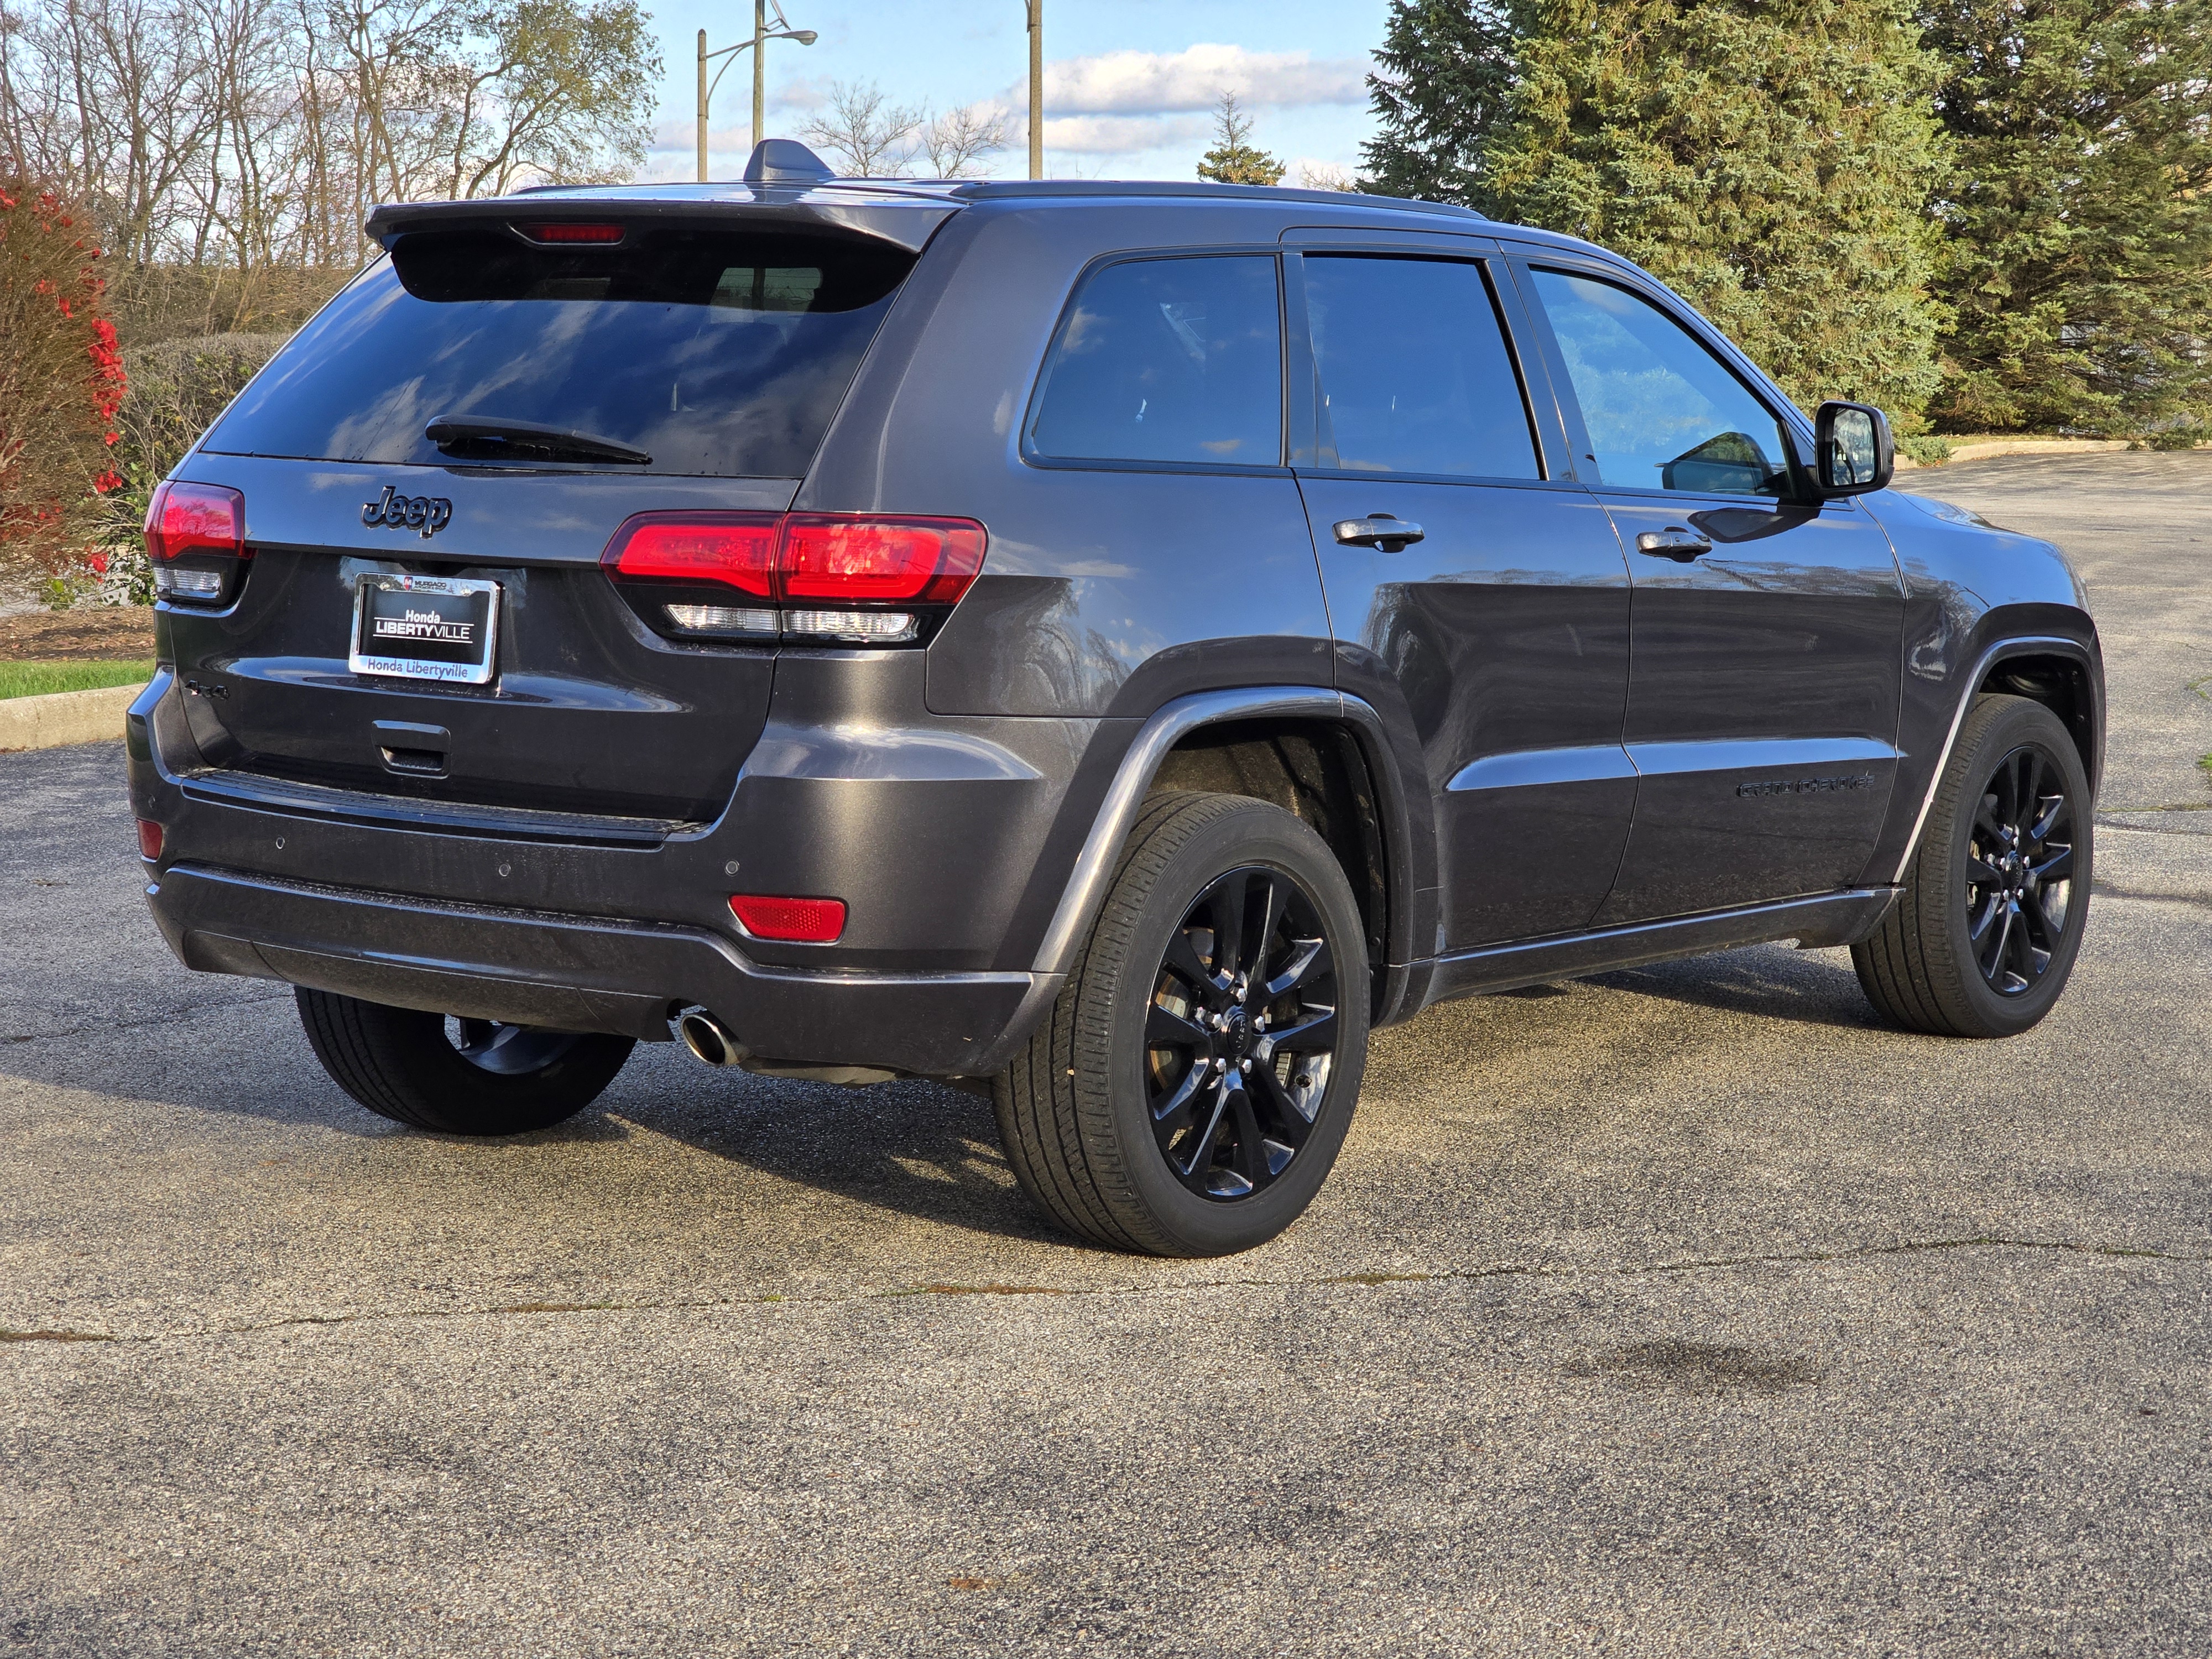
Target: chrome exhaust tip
{"points": [[707, 1038]]}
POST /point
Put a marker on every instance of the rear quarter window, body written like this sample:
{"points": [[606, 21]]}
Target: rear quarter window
{"points": [[1176, 361], [715, 352]]}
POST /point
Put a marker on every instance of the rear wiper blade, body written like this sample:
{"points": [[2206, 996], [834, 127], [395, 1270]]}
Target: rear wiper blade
{"points": [[488, 437]]}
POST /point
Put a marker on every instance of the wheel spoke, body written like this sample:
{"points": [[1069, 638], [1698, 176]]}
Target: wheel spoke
{"points": [[1982, 873], [1307, 960], [1315, 1034], [2036, 917], [1202, 1152], [1183, 960], [1267, 901], [1291, 1124], [1985, 817], [2059, 867], [1164, 1029], [1172, 1115], [2049, 809], [1249, 1157], [1225, 905], [1992, 961]]}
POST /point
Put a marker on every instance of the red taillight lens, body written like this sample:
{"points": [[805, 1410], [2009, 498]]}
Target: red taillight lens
{"points": [[849, 579], [891, 561], [794, 921], [725, 550], [587, 235], [150, 840], [190, 518]]}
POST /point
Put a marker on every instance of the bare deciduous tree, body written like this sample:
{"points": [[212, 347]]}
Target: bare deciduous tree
{"points": [[248, 132], [956, 142], [868, 135]]}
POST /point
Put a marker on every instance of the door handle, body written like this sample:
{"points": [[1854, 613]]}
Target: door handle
{"points": [[1377, 530], [1677, 542]]}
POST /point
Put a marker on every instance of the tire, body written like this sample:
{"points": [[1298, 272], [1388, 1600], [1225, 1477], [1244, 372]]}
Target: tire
{"points": [[1973, 948], [497, 1080], [1119, 1124]]}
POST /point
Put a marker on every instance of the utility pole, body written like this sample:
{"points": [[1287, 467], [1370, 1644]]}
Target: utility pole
{"points": [[760, 78], [702, 107], [1036, 87]]}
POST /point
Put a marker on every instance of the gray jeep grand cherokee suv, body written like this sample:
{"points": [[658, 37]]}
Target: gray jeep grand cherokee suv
{"points": [[1113, 644]]}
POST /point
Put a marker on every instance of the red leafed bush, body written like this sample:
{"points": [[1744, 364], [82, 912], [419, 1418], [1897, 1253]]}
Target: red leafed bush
{"points": [[61, 379]]}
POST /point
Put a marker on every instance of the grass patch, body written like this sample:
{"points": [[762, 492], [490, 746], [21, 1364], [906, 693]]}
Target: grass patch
{"points": [[36, 679]]}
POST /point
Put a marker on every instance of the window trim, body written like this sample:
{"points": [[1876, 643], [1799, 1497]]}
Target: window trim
{"points": [[1503, 312], [1040, 383], [1525, 266]]}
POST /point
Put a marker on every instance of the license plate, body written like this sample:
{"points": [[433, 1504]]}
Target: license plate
{"points": [[426, 627]]}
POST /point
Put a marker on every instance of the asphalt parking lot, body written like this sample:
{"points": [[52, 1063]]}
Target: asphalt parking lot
{"points": [[1687, 1310]]}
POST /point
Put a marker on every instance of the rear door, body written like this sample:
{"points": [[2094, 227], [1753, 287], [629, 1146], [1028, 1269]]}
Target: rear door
{"points": [[1502, 631], [447, 448], [1763, 699]]}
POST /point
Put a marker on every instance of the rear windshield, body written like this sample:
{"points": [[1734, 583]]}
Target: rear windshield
{"points": [[712, 352]]}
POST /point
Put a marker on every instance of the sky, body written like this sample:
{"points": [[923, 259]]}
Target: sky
{"points": [[1129, 83]]}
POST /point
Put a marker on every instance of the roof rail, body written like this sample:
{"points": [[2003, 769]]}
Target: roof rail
{"points": [[984, 190]]}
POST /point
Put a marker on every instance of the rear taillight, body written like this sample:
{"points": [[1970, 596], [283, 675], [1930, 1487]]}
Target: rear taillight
{"points": [[791, 920], [150, 840], [846, 579], [196, 537]]}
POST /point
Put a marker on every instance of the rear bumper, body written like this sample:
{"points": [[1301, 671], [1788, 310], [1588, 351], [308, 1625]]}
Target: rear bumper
{"points": [[579, 973]]}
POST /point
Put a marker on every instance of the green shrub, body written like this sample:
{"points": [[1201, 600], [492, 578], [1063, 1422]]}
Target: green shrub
{"points": [[1927, 449]]}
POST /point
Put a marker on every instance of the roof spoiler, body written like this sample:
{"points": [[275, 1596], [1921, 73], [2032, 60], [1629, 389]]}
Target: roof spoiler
{"points": [[778, 191]]}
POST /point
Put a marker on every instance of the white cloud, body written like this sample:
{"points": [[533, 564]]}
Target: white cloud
{"points": [[1117, 135], [1156, 83]]}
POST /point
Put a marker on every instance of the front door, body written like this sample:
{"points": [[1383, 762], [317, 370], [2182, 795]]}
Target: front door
{"points": [[1502, 632], [1763, 700]]}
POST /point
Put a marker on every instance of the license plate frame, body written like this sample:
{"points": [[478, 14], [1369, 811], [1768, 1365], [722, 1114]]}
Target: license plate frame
{"points": [[457, 622]]}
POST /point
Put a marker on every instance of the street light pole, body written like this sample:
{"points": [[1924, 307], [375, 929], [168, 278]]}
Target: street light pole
{"points": [[762, 35], [1037, 87]]}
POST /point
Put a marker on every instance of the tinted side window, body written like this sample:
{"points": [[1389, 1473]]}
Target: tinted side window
{"points": [[1414, 374], [716, 352], [1662, 412], [1169, 360]]}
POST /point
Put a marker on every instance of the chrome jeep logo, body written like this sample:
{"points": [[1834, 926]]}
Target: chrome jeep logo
{"points": [[428, 514]]}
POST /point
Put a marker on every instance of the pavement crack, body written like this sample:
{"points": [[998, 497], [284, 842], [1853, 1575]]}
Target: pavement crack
{"points": [[171, 1017], [1443, 1276]]}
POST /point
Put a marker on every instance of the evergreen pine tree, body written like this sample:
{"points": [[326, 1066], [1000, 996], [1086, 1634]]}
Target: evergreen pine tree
{"points": [[1445, 69], [1769, 159], [2077, 256], [1232, 160]]}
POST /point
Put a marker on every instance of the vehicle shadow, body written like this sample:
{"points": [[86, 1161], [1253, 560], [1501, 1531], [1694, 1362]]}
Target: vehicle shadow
{"points": [[920, 1149], [1773, 982]]}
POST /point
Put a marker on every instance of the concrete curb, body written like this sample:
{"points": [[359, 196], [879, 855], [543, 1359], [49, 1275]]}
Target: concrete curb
{"points": [[64, 717]]}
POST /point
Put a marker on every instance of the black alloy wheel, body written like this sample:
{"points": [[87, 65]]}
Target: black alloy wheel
{"points": [[2019, 871], [1242, 1034], [1195, 1078], [1996, 896], [456, 1076]]}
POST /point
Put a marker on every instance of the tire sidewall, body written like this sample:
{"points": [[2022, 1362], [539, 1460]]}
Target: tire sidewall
{"points": [[2012, 723], [1257, 834]]}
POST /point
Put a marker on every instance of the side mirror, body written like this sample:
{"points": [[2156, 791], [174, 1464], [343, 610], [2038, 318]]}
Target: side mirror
{"points": [[1855, 450]]}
